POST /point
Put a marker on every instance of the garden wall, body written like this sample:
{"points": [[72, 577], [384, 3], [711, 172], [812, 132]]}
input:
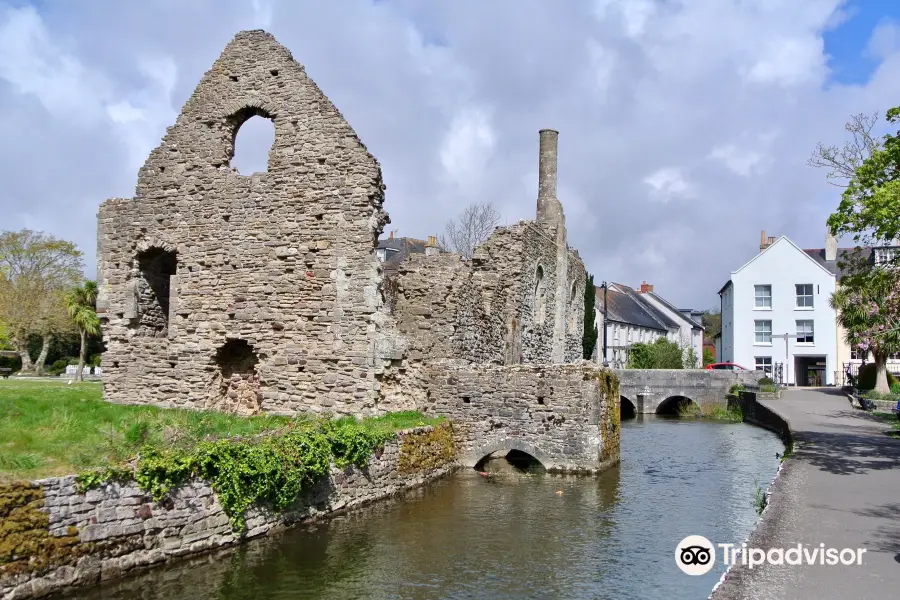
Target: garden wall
{"points": [[53, 538]]}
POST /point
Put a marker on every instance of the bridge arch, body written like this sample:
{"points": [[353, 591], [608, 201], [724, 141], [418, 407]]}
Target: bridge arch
{"points": [[479, 453], [671, 405], [627, 409]]}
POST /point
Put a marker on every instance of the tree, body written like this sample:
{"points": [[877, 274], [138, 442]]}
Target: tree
{"points": [[870, 206], [473, 226], [80, 303], [842, 162], [53, 321], [712, 323], [33, 267], [589, 337], [661, 354], [868, 309], [867, 299], [708, 356]]}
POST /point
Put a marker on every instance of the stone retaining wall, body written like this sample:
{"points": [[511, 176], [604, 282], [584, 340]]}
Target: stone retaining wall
{"points": [[53, 538], [757, 414]]}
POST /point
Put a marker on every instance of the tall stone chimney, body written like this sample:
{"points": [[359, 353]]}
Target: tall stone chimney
{"points": [[431, 246], [646, 288], [830, 247], [549, 209], [762, 241]]}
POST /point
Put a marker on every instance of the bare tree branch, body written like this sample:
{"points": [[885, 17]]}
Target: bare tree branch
{"points": [[470, 229], [842, 162]]}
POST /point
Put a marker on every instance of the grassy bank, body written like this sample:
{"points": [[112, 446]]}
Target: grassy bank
{"points": [[51, 428], [689, 410]]}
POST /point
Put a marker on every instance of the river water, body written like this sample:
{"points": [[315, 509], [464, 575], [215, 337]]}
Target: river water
{"points": [[509, 537]]}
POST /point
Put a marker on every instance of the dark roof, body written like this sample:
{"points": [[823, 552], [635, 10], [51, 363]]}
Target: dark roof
{"points": [[843, 254], [626, 306], [680, 311], [403, 247]]}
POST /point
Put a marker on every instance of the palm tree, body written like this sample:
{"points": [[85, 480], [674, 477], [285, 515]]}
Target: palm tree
{"points": [[80, 303], [868, 307]]}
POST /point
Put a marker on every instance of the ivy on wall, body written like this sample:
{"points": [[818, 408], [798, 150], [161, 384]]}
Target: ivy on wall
{"points": [[273, 469]]}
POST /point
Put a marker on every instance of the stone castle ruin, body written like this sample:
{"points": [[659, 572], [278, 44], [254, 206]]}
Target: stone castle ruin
{"points": [[263, 293]]}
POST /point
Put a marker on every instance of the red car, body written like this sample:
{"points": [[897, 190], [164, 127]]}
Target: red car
{"points": [[726, 366]]}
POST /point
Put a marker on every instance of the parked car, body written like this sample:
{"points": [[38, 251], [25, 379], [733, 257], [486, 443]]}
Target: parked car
{"points": [[726, 366]]}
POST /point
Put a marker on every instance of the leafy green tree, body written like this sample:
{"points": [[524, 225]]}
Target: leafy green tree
{"points": [[712, 323], [868, 308], [868, 301], [870, 206], [35, 268], [81, 305], [661, 354], [708, 356], [589, 338]]}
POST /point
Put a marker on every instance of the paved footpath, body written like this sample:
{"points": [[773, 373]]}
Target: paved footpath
{"points": [[841, 488]]}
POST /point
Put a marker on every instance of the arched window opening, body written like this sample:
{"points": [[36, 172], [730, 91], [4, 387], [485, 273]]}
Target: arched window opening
{"points": [[235, 384], [254, 136], [156, 267], [540, 296]]}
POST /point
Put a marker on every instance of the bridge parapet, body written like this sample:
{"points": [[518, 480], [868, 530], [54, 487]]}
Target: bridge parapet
{"points": [[566, 416], [648, 389]]}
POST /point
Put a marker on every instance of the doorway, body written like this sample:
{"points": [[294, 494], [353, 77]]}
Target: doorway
{"points": [[809, 371]]}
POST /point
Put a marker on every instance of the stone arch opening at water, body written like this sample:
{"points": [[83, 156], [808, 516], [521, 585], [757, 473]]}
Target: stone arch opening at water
{"points": [[627, 409], [673, 404], [510, 461]]}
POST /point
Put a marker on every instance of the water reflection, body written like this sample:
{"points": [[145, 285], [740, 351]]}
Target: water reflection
{"points": [[509, 536]]}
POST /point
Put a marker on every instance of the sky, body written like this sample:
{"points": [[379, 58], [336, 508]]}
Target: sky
{"points": [[685, 125]]}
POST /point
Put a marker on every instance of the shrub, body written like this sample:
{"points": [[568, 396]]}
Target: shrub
{"points": [[895, 389], [57, 367], [734, 389], [94, 360], [766, 381], [865, 380]]}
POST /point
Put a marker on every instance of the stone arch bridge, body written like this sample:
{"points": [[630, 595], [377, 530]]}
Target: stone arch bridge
{"points": [[659, 391]]}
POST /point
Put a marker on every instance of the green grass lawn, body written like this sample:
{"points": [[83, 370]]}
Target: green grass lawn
{"points": [[51, 428], [890, 418]]}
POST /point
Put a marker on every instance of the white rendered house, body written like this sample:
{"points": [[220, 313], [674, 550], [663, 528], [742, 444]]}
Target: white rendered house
{"points": [[632, 318], [690, 334], [776, 316]]}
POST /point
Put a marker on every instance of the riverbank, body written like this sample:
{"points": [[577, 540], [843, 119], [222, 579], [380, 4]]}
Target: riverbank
{"points": [[55, 428], [57, 535], [144, 485], [839, 489]]}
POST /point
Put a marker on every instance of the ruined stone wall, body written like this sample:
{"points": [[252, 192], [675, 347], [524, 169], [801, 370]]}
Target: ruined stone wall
{"points": [[498, 308], [54, 538], [283, 260], [566, 416], [577, 278]]}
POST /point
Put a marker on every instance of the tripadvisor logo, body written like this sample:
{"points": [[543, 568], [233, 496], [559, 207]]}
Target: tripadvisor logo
{"points": [[696, 555]]}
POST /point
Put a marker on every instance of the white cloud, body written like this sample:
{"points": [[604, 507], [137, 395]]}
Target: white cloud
{"points": [[634, 14], [467, 147], [667, 111], [740, 161], [885, 40], [34, 65], [668, 183], [789, 61]]}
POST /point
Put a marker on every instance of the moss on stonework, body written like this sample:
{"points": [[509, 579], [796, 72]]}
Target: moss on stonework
{"points": [[426, 450], [608, 384], [25, 541]]}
